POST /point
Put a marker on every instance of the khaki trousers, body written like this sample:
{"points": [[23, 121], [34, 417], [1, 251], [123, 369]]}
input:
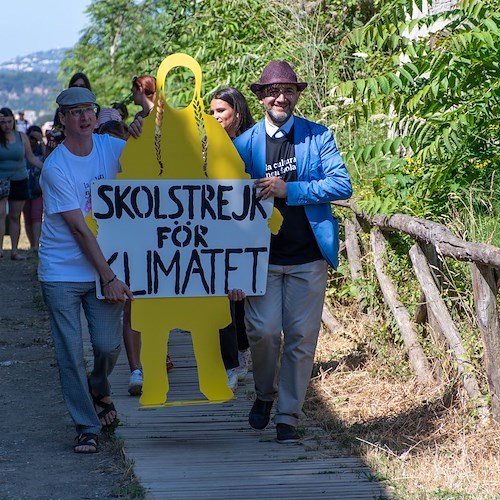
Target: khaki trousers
{"points": [[292, 306]]}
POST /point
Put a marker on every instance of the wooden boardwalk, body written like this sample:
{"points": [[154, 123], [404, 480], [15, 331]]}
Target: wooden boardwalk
{"points": [[208, 451]]}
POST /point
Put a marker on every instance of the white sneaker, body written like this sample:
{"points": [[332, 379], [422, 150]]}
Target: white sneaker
{"points": [[135, 383], [232, 379], [245, 361]]}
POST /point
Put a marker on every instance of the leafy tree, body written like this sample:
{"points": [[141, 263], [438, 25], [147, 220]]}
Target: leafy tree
{"points": [[125, 38], [120, 41], [439, 93], [232, 40]]}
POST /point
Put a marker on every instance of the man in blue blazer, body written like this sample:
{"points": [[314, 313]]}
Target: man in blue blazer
{"points": [[297, 162]]}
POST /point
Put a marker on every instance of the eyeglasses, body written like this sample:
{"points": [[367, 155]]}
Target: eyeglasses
{"points": [[78, 112], [275, 92]]}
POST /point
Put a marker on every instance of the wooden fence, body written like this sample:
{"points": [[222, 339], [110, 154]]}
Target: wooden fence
{"points": [[433, 244]]}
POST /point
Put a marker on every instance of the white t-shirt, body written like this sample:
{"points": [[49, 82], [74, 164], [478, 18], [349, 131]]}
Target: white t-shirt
{"points": [[66, 180], [22, 126]]}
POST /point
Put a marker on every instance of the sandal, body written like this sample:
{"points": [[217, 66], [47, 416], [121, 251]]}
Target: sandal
{"points": [[86, 439], [107, 408]]}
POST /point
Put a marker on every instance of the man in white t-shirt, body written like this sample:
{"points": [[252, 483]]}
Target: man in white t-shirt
{"points": [[70, 257]]}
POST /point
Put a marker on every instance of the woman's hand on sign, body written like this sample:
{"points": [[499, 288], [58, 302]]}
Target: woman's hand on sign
{"points": [[236, 294], [135, 128]]}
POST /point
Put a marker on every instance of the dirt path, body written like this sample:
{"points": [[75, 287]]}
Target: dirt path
{"points": [[36, 432]]}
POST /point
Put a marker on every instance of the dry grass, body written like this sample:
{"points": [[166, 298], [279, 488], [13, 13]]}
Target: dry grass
{"points": [[424, 441]]}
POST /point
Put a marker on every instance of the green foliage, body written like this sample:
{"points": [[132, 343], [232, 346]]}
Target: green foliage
{"points": [[115, 47], [440, 90], [232, 41]]}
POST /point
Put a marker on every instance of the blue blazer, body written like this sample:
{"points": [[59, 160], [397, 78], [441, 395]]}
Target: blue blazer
{"points": [[321, 177]]}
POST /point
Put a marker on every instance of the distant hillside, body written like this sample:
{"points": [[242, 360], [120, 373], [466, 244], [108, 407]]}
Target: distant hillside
{"points": [[30, 82]]}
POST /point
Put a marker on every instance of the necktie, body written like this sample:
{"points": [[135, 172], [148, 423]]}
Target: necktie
{"points": [[279, 134]]}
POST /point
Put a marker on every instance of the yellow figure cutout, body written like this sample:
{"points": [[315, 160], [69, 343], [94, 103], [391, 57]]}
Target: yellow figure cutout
{"points": [[181, 144]]}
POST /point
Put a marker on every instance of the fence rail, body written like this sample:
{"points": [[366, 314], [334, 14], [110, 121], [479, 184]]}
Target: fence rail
{"points": [[433, 244]]}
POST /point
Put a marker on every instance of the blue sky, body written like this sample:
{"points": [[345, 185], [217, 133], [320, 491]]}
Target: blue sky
{"points": [[32, 25]]}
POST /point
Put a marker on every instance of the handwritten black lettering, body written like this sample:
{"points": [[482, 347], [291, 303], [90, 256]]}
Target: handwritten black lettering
{"points": [[222, 202], [207, 195], [120, 205], [101, 192], [172, 195]]}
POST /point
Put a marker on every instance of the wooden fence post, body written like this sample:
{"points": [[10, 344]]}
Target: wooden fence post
{"points": [[410, 338], [329, 320], [436, 265], [435, 262], [443, 317], [485, 291], [354, 259]]}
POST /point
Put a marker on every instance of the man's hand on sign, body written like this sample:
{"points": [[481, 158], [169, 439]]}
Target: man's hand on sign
{"points": [[270, 186], [135, 128], [236, 294], [116, 291]]}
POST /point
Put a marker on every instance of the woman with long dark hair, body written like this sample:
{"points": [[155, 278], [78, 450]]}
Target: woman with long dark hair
{"points": [[230, 108], [80, 79]]}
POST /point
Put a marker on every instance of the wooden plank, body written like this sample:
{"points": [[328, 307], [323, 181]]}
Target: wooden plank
{"points": [[208, 451]]}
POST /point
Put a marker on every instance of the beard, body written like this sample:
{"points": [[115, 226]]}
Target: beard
{"points": [[279, 117]]}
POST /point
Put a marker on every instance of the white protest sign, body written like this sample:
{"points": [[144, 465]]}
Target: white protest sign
{"points": [[190, 238]]}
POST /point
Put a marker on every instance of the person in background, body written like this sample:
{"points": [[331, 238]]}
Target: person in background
{"points": [[70, 258], [122, 109], [56, 135], [33, 207], [107, 114], [230, 108], [143, 94], [114, 128], [80, 79], [296, 162], [21, 123], [15, 149]]}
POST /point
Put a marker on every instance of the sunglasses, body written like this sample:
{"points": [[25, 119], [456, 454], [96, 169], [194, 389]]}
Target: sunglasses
{"points": [[277, 91]]}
